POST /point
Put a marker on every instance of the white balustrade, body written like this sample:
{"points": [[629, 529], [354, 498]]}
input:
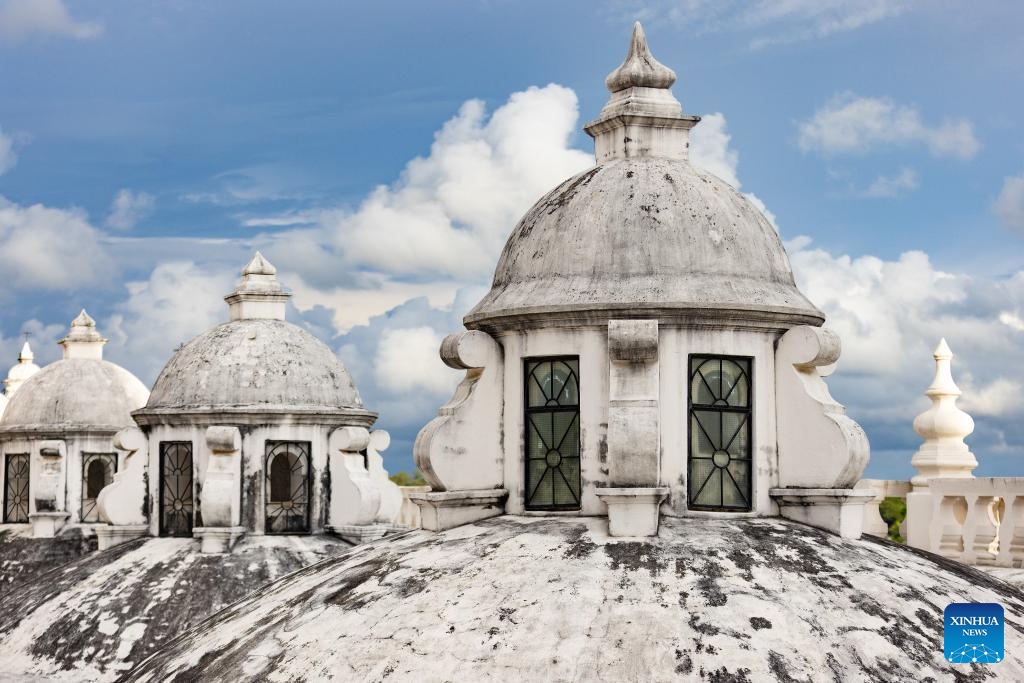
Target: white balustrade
{"points": [[978, 521]]}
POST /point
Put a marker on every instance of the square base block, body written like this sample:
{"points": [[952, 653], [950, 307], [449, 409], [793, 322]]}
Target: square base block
{"points": [[47, 524], [440, 510], [633, 511], [360, 533], [840, 511], [217, 539], [109, 535]]}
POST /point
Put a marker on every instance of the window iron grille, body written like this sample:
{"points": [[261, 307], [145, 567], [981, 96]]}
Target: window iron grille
{"points": [[552, 421], [287, 473], [97, 472], [16, 489], [177, 503], [720, 417]]}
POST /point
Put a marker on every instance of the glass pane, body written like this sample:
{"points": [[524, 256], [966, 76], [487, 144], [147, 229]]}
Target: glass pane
{"points": [[704, 381], [705, 426], [735, 383], [287, 487], [552, 383]]}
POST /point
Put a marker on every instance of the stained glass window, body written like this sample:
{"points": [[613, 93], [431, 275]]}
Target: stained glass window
{"points": [[176, 498], [16, 473], [287, 487], [97, 472], [552, 420], [719, 472]]}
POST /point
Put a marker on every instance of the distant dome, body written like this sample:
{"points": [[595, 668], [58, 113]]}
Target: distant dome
{"points": [[22, 370], [75, 393], [644, 236], [254, 363], [555, 599]]}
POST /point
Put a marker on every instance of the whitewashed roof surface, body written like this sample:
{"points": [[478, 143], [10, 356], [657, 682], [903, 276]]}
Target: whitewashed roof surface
{"points": [[95, 617], [542, 599]]}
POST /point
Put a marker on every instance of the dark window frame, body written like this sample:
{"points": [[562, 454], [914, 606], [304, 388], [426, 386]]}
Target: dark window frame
{"points": [[8, 518], [268, 446], [162, 449], [748, 410], [527, 411], [87, 460]]}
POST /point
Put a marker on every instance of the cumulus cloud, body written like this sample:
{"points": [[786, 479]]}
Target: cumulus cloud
{"points": [[7, 156], [887, 187], [710, 150], [24, 19], [47, 248], [852, 124], [407, 362], [1009, 207], [178, 301], [128, 208], [769, 22], [41, 337]]}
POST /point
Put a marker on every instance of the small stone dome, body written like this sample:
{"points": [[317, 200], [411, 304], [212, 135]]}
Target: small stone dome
{"points": [[254, 363], [81, 391], [644, 233], [257, 361], [75, 393]]}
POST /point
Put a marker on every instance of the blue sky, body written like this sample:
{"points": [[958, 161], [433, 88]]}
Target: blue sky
{"points": [[379, 154]]}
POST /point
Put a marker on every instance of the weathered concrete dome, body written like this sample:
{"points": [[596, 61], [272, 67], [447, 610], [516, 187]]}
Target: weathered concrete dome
{"points": [[644, 236], [75, 393], [551, 599], [254, 363], [644, 233]]}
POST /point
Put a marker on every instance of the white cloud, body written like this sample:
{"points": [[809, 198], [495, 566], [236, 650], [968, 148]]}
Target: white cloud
{"points": [[1009, 207], [999, 398], [24, 19], [710, 150], [7, 156], [768, 22], [177, 302], [47, 248], [407, 361], [128, 208], [852, 124], [892, 186]]}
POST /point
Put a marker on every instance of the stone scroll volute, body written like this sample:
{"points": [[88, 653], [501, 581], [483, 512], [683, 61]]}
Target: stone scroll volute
{"points": [[460, 449]]}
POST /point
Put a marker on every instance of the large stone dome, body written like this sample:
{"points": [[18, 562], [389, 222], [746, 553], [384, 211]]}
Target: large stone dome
{"points": [[644, 236], [248, 363], [551, 599], [75, 393], [644, 233]]}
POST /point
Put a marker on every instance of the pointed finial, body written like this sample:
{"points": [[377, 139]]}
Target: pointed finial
{"points": [[641, 69], [83, 340], [943, 427], [259, 265], [26, 355]]}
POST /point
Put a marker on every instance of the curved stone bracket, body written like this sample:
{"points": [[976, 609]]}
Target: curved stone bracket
{"points": [[222, 482], [355, 497], [460, 449], [122, 502], [391, 497], [818, 445]]}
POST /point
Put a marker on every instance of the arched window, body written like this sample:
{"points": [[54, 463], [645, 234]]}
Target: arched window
{"points": [[719, 469], [97, 472], [287, 488], [176, 496], [16, 474], [552, 418]]}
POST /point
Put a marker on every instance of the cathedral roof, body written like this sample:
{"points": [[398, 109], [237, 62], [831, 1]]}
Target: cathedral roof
{"points": [[557, 599], [256, 362], [644, 233]]}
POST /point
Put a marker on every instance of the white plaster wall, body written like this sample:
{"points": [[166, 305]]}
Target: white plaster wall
{"points": [[675, 346]]}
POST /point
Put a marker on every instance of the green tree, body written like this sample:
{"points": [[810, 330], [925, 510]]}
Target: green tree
{"points": [[893, 512], [406, 479]]}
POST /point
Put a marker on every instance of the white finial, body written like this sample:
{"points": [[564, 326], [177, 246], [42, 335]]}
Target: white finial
{"points": [[640, 69], [943, 427], [83, 341], [642, 117], [259, 294], [20, 371]]}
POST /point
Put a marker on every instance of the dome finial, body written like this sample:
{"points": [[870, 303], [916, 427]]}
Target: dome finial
{"points": [[259, 294], [83, 340], [641, 69], [26, 355], [259, 265]]}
